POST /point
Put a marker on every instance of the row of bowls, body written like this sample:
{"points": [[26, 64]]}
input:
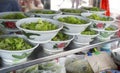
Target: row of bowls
{"points": [[46, 36]]}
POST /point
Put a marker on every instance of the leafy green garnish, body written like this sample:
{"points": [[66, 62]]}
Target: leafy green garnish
{"points": [[90, 32], [14, 43], [39, 25], [72, 20], [71, 10], [44, 12], [14, 16], [97, 17], [92, 8], [60, 37]]}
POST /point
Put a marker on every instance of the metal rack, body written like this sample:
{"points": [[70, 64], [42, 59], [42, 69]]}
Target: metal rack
{"points": [[42, 57]]}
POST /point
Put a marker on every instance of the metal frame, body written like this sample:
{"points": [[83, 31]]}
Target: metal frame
{"points": [[51, 57]]}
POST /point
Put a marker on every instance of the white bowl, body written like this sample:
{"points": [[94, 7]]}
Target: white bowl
{"points": [[11, 57], [103, 38], [53, 47], [98, 21], [82, 39], [78, 44], [97, 12], [73, 29], [72, 13], [39, 36], [2, 22], [104, 34], [30, 13]]}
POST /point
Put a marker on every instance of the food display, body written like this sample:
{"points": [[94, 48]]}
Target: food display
{"points": [[58, 43], [13, 16], [54, 34], [39, 26], [60, 37], [98, 17], [72, 20], [14, 43]]}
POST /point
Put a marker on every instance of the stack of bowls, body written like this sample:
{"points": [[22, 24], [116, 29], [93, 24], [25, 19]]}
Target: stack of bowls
{"points": [[74, 28], [44, 37], [103, 24]]}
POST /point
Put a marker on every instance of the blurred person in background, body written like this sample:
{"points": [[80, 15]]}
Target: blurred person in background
{"points": [[77, 2], [27, 5], [9, 5]]}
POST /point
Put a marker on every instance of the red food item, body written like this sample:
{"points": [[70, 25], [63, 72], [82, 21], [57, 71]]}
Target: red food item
{"points": [[118, 33], [100, 25], [10, 24], [61, 45]]}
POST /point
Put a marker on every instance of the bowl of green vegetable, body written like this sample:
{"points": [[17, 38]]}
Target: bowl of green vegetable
{"points": [[8, 19], [108, 31], [45, 13], [58, 43], [87, 35], [39, 30], [93, 10], [15, 49], [69, 11], [73, 25], [97, 18]]}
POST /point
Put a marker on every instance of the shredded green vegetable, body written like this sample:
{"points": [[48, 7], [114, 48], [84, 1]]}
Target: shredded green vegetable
{"points": [[97, 17], [14, 43], [72, 20], [14, 16], [60, 37], [44, 12], [39, 25], [71, 10]]}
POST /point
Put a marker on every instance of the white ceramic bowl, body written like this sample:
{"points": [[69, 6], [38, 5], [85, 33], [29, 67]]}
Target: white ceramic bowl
{"points": [[71, 13], [53, 47], [98, 21], [78, 44], [100, 38], [82, 39], [13, 57], [39, 36], [3, 22], [73, 29], [97, 12], [31, 13], [105, 34]]}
